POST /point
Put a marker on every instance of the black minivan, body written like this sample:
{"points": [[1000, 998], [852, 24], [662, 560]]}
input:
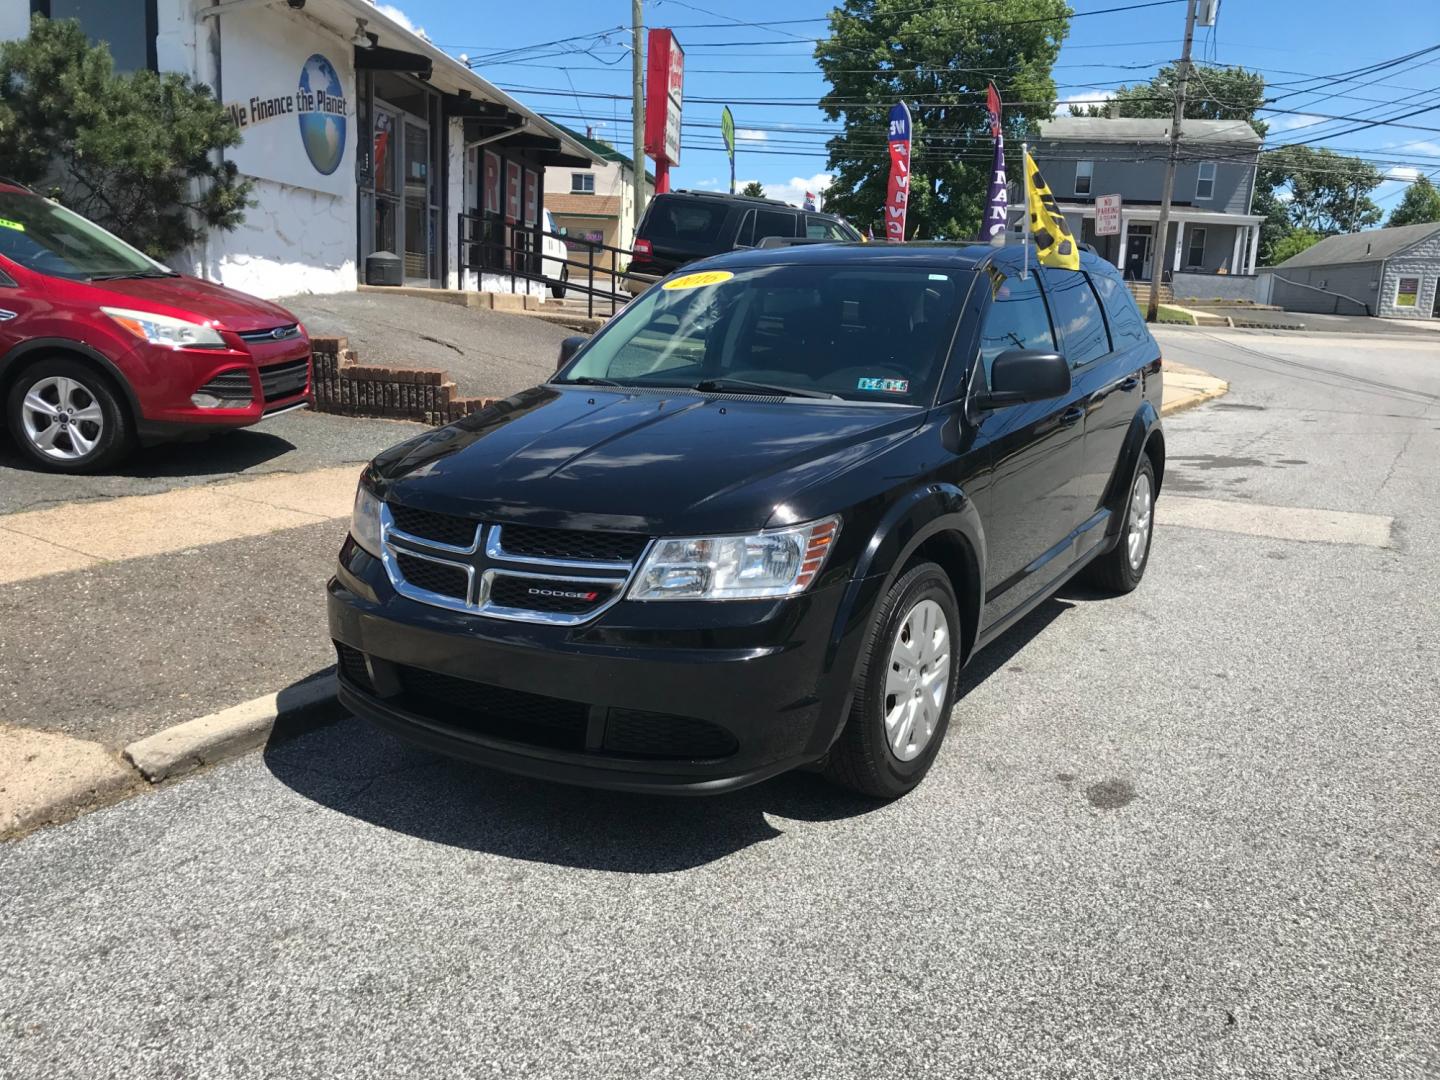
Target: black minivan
{"points": [[759, 521], [682, 226]]}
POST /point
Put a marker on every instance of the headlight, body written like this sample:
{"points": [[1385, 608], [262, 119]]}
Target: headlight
{"points": [[163, 330], [365, 520], [779, 562]]}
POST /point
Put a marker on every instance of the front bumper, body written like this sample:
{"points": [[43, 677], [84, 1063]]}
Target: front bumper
{"points": [[763, 686], [164, 380]]}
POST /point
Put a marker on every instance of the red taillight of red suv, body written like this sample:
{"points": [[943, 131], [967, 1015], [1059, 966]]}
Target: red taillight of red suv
{"points": [[642, 247]]}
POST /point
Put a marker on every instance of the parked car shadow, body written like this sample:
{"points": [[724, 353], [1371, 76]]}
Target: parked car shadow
{"points": [[358, 770], [221, 454]]}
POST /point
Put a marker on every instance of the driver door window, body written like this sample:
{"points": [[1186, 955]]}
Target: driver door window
{"points": [[1017, 319]]}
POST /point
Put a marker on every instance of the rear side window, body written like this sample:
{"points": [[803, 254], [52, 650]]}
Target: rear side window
{"points": [[1078, 319], [688, 221], [1017, 319], [1126, 326], [773, 223], [820, 228]]}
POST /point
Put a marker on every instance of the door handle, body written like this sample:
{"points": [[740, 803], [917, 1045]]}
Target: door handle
{"points": [[1072, 416], [1130, 384]]}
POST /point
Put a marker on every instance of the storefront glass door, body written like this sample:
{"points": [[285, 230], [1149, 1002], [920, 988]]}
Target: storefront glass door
{"points": [[419, 241]]}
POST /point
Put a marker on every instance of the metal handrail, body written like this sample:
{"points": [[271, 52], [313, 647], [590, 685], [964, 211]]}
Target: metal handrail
{"points": [[487, 243]]}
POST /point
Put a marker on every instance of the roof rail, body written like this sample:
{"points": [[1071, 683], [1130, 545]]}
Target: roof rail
{"points": [[727, 195]]}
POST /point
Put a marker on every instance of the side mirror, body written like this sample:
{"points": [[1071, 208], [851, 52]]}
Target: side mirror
{"points": [[568, 348], [1022, 375]]}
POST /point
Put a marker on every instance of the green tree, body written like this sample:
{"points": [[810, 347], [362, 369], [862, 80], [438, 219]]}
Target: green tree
{"points": [[136, 153], [937, 58], [1292, 243], [1230, 93], [1321, 190], [754, 189], [1419, 204]]}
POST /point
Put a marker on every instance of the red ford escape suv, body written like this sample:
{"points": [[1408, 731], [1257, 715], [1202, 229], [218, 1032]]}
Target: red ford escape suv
{"points": [[101, 347]]}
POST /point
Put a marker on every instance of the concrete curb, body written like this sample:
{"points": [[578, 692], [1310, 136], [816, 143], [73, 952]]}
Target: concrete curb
{"points": [[46, 778], [207, 740]]}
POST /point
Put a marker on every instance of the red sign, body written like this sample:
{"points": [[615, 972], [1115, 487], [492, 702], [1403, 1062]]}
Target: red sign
{"points": [[492, 182], [897, 197], [512, 191], [532, 197], [664, 88]]}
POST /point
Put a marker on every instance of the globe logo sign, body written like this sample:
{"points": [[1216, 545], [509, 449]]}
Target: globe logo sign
{"points": [[322, 114]]}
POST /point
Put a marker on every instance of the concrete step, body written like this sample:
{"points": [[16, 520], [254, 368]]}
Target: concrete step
{"points": [[1141, 291]]}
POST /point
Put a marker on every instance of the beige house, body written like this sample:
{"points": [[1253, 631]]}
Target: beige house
{"points": [[595, 203]]}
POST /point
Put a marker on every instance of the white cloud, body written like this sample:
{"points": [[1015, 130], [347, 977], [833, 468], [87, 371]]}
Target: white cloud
{"points": [[707, 184], [1292, 123], [751, 134], [1402, 172], [1081, 99], [793, 190], [393, 12]]}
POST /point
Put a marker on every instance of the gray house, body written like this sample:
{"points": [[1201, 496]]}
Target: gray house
{"points": [[1213, 237], [1394, 273]]}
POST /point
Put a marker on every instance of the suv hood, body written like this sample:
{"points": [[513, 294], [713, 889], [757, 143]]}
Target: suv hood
{"points": [[188, 297], [664, 464]]}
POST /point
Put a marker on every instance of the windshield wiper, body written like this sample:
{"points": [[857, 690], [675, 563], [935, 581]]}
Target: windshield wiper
{"points": [[590, 380], [119, 275], [740, 386]]}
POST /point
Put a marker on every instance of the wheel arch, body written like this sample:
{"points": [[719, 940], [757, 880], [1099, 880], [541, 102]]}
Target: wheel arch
{"points": [[19, 359], [1145, 437]]}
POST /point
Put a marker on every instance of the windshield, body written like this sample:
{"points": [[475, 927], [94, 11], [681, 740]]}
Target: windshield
{"points": [[45, 237], [862, 333]]}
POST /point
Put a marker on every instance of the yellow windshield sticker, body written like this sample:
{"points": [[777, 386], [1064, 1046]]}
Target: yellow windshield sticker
{"points": [[6, 223], [699, 281]]}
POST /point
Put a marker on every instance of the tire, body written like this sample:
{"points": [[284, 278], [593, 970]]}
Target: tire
{"points": [[67, 417], [1120, 570], [865, 757], [558, 291]]}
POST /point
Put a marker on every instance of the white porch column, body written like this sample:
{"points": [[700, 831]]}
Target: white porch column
{"points": [[1179, 240], [1124, 233], [1239, 248], [1254, 247]]}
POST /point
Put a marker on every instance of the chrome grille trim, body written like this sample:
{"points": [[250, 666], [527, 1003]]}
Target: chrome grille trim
{"points": [[271, 333], [394, 542]]}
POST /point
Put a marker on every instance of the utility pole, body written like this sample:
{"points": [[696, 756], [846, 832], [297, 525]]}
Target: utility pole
{"points": [[1161, 255], [637, 108]]}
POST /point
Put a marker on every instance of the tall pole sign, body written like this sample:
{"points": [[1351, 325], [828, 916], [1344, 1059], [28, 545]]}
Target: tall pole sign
{"points": [[664, 89], [727, 132], [897, 196]]}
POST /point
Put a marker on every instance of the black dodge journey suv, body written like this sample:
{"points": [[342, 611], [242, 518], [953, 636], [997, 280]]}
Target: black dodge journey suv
{"points": [[759, 521]]}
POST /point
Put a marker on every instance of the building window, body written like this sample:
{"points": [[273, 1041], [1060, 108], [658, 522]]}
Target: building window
{"points": [[582, 183], [1084, 170], [127, 26], [1195, 255], [1407, 292], [1205, 181]]}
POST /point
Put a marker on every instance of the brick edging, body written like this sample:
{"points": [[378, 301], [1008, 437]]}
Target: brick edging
{"points": [[346, 387]]}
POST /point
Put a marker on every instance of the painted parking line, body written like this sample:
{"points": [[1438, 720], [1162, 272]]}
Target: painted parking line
{"points": [[74, 536], [1276, 522]]}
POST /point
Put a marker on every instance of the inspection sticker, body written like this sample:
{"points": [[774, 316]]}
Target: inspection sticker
{"points": [[889, 386], [700, 280], [6, 223]]}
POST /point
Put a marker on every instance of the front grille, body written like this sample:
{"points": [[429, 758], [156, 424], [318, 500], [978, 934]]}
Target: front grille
{"points": [[273, 333], [540, 594], [352, 667], [285, 380], [428, 525], [634, 733], [513, 715], [229, 386], [581, 545], [442, 578]]}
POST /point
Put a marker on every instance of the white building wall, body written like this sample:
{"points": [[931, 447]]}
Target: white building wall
{"points": [[454, 201], [1422, 261]]}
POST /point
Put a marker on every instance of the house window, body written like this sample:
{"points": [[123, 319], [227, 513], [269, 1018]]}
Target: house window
{"points": [[1195, 256], [127, 26], [1205, 181], [1084, 170], [582, 183], [1407, 292]]}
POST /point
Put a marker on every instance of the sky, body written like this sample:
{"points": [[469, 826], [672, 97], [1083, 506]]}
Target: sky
{"points": [[738, 49]]}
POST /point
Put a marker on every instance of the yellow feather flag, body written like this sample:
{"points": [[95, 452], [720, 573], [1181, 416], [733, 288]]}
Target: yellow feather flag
{"points": [[1054, 245]]}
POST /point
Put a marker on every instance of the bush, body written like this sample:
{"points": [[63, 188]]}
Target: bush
{"points": [[138, 154]]}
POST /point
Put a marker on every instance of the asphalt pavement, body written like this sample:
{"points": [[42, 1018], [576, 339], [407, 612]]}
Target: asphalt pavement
{"points": [[1186, 833]]}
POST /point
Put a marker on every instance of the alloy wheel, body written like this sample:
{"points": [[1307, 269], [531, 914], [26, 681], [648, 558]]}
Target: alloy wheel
{"points": [[61, 418], [918, 680], [1142, 506]]}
